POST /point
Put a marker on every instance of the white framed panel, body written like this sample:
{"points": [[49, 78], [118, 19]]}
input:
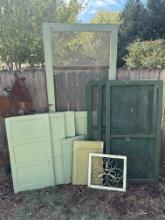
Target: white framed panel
{"points": [[110, 171]]}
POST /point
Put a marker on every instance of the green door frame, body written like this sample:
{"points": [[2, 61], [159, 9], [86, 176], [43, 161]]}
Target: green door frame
{"points": [[57, 27], [98, 128], [158, 90]]}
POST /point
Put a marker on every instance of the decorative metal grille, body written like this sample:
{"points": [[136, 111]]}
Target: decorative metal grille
{"points": [[107, 172]]}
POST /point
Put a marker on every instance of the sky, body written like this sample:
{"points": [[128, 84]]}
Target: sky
{"points": [[93, 6]]}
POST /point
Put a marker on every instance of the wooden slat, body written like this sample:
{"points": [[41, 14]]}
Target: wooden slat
{"points": [[35, 81]]}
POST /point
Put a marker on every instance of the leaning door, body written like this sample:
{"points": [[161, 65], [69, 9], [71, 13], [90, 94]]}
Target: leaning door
{"points": [[133, 122]]}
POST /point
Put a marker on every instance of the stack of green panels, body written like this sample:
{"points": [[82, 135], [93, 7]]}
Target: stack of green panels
{"points": [[40, 148]]}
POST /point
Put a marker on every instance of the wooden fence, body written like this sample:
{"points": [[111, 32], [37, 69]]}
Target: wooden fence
{"points": [[71, 91]]}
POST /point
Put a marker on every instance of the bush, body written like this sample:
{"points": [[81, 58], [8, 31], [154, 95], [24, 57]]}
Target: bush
{"points": [[146, 54]]}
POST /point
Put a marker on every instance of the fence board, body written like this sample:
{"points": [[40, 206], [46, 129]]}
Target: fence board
{"points": [[71, 88], [61, 91]]}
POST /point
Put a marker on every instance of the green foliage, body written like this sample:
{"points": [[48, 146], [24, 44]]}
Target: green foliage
{"points": [[85, 48], [146, 54], [106, 17], [156, 14], [140, 23], [81, 48], [21, 27], [21, 30], [135, 21]]}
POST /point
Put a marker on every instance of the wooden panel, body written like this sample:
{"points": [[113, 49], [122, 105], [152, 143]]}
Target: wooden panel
{"points": [[58, 163], [69, 124], [58, 166], [35, 80], [62, 159], [82, 78], [33, 177], [56, 147], [81, 123], [67, 151], [57, 125], [62, 124], [72, 91], [30, 151], [81, 150], [20, 150], [60, 81]]}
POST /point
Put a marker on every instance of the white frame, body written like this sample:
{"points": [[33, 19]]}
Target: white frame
{"points": [[123, 189]]}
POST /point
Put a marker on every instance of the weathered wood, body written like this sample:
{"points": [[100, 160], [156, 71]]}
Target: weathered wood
{"points": [[61, 89], [71, 89]]}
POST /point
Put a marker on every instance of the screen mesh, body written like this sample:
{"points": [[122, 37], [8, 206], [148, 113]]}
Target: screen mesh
{"points": [[80, 48]]}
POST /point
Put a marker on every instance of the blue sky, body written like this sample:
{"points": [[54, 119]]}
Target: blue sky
{"points": [[94, 6]]}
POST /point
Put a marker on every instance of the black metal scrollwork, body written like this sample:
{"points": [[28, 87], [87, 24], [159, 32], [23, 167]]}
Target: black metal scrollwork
{"points": [[109, 175]]}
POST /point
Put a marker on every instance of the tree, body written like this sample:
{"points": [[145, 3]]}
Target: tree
{"points": [[135, 21], [156, 14], [146, 54], [21, 27], [106, 17], [96, 44]]}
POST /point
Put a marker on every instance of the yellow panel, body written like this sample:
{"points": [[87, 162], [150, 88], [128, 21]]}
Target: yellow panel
{"points": [[67, 153], [81, 150]]}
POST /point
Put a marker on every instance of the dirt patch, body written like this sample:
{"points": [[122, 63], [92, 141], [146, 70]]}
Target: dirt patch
{"points": [[68, 202]]}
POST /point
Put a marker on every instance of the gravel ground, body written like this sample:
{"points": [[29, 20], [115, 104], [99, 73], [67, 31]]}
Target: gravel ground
{"points": [[68, 202]]}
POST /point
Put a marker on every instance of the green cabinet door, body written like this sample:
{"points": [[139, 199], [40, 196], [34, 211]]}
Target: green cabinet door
{"points": [[30, 151]]}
